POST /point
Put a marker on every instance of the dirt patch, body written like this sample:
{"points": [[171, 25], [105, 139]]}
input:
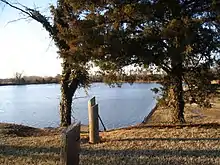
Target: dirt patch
{"points": [[16, 130], [25, 131]]}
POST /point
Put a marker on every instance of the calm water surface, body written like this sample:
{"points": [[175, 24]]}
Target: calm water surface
{"points": [[38, 105]]}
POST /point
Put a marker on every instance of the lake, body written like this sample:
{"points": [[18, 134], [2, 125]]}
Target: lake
{"points": [[38, 105]]}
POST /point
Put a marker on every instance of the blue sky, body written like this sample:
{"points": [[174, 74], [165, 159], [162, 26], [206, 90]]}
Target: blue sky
{"points": [[26, 46]]}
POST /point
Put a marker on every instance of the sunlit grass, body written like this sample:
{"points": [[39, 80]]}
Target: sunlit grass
{"points": [[140, 145]]}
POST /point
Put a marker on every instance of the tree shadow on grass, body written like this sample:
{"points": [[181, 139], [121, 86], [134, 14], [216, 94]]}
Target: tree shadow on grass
{"points": [[8, 150], [149, 157], [168, 139], [177, 126], [163, 152], [153, 156]]}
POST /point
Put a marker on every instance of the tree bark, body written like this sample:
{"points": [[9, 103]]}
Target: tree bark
{"points": [[68, 89], [176, 94], [65, 107]]}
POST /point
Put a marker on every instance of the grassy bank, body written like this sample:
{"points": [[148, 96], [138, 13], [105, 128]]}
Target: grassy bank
{"points": [[144, 144], [193, 114]]}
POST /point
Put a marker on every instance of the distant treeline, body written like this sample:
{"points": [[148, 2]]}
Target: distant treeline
{"points": [[24, 80], [30, 80]]}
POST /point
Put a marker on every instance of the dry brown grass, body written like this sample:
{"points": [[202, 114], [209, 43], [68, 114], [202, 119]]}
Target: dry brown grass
{"points": [[140, 145], [193, 114], [186, 145]]}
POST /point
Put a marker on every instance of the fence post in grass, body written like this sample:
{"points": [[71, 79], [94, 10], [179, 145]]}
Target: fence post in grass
{"points": [[93, 121], [70, 146]]}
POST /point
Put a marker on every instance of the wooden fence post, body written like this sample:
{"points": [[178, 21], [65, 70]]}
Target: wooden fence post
{"points": [[93, 121], [70, 145]]}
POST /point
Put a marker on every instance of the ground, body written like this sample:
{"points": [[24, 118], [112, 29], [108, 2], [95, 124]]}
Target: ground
{"points": [[154, 143], [193, 114]]}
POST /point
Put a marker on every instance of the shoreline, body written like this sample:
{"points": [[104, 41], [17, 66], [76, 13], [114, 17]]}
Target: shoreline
{"points": [[146, 118], [24, 84], [158, 116], [84, 128], [151, 121], [16, 84]]}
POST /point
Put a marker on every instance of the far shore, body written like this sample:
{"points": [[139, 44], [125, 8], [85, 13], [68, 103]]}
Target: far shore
{"points": [[18, 84], [36, 83]]}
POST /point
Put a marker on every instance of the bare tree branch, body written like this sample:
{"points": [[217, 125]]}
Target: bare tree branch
{"points": [[34, 14], [49, 45], [12, 21], [15, 7]]}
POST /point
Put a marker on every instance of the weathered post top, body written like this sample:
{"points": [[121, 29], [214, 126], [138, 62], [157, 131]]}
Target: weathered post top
{"points": [[71, 128], [92, 101], [71, 145]]}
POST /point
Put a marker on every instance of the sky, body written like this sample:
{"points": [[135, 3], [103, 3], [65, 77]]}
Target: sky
{"points": [[24, 45]]}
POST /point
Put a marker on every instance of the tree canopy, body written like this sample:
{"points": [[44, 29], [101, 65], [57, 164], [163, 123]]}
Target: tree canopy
{"points": [[177, 36]]}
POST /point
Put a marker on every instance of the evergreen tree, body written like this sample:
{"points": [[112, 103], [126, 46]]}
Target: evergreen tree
{"points": [[176, 36]]}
